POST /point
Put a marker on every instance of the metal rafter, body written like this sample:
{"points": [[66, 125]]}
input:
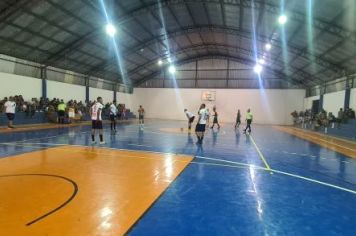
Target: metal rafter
{"points": [[274, 9], [13, 7], [240, 51], [187, 30], [318, 37], [212, 56], [222, 4]]}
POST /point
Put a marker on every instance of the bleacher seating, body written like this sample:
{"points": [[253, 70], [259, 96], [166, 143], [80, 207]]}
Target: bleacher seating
{"points": [[22, 119], [346, 130], [40, 117]]}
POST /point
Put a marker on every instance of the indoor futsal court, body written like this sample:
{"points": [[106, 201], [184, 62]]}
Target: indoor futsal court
{"points": [[177, 117]]}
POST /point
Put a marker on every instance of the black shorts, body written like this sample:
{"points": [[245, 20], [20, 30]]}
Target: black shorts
{"points": [[191, 119], [112, 117], [141, 117], [10, 116], [215, 121], [200, 128], [97, 124], [249, 122], [61, 113]]}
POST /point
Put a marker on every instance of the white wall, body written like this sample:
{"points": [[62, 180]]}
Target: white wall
{"points": [[268, 106], [334, 101], [308, 102], [28, 87], [127, 99], [65, 91], [353, 99], [107, 95]]}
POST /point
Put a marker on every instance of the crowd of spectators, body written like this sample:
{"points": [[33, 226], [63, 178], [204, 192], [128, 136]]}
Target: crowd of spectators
{"points": [[323, 118], [73, 109]]}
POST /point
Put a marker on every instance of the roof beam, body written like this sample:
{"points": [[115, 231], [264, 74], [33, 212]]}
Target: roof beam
{"points": [[207, 28], [210, 56], [240, 51]]}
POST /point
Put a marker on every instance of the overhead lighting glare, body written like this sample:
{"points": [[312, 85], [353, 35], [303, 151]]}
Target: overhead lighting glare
{"points": [[110, 30], [268, 46], [172, 69], [257, 69], [282, 19]]}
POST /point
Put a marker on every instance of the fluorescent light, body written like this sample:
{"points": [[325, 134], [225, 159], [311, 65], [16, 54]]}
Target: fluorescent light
{"points": [[282, 19], [172, 69], [268, 46], [110, 30], [257, 69], [160, 62]]}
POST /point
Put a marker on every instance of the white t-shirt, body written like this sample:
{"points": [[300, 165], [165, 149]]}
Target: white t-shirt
{"points": [[189, 114], [203, 116], [113, 110], [10, 107], [95, 109]]}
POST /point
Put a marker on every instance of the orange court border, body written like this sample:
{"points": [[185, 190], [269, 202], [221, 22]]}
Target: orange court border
{"points": [[98, 191]]}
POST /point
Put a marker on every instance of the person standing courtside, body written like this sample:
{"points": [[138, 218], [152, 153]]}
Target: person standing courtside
{"points": [[201, 125], [249, 118], [190, 117], [61, 108], [97, 123], [10, 108], [113, 114], [141, 116], [238, 119], [215, 119]]}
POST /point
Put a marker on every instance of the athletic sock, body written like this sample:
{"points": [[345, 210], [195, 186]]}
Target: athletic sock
{"points": [[101, 137], [92, 138], [111, 126], [115, 126]]}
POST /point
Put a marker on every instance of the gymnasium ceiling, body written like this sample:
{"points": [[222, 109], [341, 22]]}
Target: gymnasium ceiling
{"points": [[309, 50]]}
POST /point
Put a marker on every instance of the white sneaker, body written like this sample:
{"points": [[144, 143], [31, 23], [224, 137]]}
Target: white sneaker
{"points": [[93, 142], [101, 143]]}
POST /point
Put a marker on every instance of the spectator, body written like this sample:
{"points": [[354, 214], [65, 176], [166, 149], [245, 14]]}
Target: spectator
{"points": [[61, 108], [10, 108], [71, 112], [340, 117]]}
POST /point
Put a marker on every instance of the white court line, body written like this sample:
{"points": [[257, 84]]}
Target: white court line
{"points": [[138, 145], [322, 140], [239, 165]]}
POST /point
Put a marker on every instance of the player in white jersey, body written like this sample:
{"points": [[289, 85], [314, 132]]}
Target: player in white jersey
{"points": [[113, 115], [10, 108], [190, 117], [202, 120], [97, 122]]}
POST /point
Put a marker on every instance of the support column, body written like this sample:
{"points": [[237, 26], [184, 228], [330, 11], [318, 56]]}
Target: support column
{"points": [[114, 90], [349, 81], [227, 73], [44, 82], [321, 100], [87, 89], [196, 74]]}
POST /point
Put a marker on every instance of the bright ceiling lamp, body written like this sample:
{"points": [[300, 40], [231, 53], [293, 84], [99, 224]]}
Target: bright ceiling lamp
{"points": [[172, 69], [110, 30], [268, 46], [261, 61], [257, 69], [282, 19], [160, 62]]}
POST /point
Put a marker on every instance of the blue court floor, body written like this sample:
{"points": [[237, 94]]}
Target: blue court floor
{"points": [[269, 183]]}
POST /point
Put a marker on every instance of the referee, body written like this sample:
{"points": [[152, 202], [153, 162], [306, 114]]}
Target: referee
{"points": [[249, 118]]}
